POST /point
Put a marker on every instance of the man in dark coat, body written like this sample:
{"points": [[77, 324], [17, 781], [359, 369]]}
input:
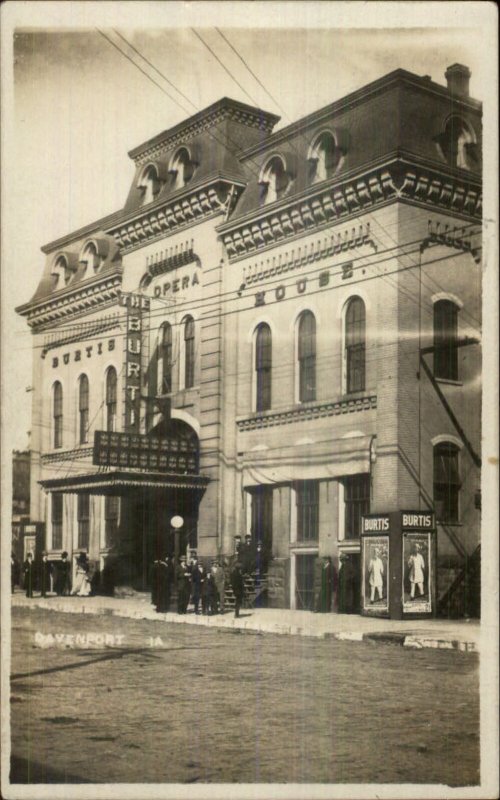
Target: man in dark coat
{"points": [[197, 584], [154, 580], [220, 583], [209, 595], [109, 574], [238, 587], [247, 555], [29, 575], [46, 571], [63, 570], [326, 585], [164, 585], [183, 586], [348, 588]]}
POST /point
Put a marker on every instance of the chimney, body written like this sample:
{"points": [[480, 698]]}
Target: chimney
{"points": [[457, 77]]}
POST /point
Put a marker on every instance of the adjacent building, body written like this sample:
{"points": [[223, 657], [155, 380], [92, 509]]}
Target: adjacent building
{"points": [[278, 334]]}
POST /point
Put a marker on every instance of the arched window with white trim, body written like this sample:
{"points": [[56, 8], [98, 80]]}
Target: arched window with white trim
{"points": [[111, 398], [324, 157], [165, 359], [445, 340], [274, 180], [83, 409], [458, 143], [57, 406], [263, 365], [90, 258], [306, 356], [189, 352], [181, 168], [62, 270], [149, 184], [355, 344], [447, 482]]}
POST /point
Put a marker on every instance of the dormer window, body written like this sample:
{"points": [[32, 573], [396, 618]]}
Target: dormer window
{"points": [[181, 168], [274, 181], [90, 258], [458, 144], [149, 184], [324, 157], [62, 271]]}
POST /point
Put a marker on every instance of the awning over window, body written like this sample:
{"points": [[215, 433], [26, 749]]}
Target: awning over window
{"points": [[115, 482], [315, 461]]}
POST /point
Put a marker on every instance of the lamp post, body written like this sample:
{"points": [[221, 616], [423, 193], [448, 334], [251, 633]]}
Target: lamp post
{"points": [[176, 524]]}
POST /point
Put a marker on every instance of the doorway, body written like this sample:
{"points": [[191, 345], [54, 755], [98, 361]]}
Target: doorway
{"points": [[304, 580]]}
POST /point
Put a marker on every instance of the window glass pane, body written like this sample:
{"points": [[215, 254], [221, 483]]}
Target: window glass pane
{"points": [[58, 414], [263, 363], [356, 503], [445, 340], [189, 353], [355, 325], [83, 515], [111, 393], [446, 482], [307, 499], [57, 519], [307, 357]]}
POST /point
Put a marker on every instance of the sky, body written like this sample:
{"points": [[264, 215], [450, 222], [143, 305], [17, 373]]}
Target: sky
{"points": [[78, 106]]}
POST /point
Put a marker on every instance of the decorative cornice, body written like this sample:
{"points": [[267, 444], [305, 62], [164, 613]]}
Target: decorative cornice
{"points": [[458, 238], [170, 259], [272, 419], [80, 301], [396, 181], [67, 455], [148, 225], [86, 330], [327, 246], [201, 122]]}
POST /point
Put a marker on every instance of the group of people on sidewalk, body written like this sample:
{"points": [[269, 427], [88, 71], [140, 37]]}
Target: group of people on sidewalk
{"points": [[204, 588], [49, 576]]}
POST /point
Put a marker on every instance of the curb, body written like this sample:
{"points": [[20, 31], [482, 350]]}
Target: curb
{"points": [[414, 642]]}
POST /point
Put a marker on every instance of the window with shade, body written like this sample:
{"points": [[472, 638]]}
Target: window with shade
{"points": [[111, 512], [83, 520], [263, 364], [447, 482], [111, 395], [188, 353], [57, 520], [83, 409], [445, 340], [165, 359], [307, 357], [58, 414], [307, 501], [355, 345], [356, 503]]}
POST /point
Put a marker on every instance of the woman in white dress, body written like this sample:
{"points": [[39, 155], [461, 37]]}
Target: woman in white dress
{"points": [[82, 585]]}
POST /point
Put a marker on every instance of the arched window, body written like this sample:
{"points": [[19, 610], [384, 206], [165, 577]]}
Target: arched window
{"points": [[458, 144], [324, 157], [165, 359], [446, 482], [181, 168], [111, 395], [307, 356], [274, 180], [90, 257], [62, 269], [188, 352], [149, 184], [263, 364], [83, 409], [445, 340], [355, 345], [58, 414]]}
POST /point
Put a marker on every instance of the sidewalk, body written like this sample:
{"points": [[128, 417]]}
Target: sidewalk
{"points": [[463, 635]]}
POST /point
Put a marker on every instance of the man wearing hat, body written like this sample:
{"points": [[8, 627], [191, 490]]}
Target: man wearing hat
{"points": [[62, 584], [45, 574], [247, 555], [29, 575], [183, 586]]}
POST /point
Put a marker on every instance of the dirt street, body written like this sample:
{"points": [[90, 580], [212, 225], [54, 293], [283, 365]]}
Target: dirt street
{"points": [[201, 705]]}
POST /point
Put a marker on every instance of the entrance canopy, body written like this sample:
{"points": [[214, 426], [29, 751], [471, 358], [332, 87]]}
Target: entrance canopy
{"points": [[116, 482]]}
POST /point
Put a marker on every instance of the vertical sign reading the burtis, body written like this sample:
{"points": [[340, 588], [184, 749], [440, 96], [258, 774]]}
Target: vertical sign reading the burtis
{"points": [[135, 305]]}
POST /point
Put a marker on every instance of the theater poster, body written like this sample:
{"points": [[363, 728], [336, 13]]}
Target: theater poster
{"points": [[375, 575], [416, 573]]}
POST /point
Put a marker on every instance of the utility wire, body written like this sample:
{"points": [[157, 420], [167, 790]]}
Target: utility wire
{"points": [[224, 67]]}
